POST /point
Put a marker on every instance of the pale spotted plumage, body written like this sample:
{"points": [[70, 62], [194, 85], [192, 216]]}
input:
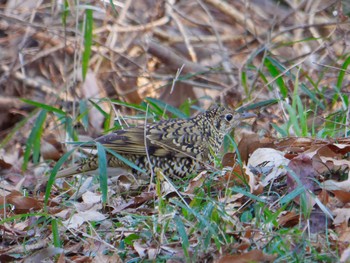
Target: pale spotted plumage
{"points": [[177, 146]]}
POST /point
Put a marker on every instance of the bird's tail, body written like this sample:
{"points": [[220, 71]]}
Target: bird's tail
{"points": [[88, 165], [69, 171]]}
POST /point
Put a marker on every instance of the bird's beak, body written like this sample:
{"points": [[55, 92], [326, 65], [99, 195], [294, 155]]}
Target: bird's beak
{"points": [[246, 115]]}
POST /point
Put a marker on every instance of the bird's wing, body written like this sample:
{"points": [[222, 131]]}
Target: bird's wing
{"points": [[180, 138], [128, 141], [168, 138]]}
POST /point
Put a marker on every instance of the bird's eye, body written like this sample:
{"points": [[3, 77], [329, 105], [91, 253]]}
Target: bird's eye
{"points": [[228, 117]]}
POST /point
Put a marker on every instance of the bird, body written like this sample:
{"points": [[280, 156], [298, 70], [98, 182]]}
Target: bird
{"points": [[178, 147]]}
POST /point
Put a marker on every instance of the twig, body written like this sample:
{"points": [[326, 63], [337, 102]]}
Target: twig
{"points": [[116, 28], [182, 29]]}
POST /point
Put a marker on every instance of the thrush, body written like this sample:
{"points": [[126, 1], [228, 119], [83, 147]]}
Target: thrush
{"points": [[177, 147]]}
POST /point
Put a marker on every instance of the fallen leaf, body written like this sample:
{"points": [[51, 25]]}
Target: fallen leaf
{"points": [[271, 158], [51, 148], [23, 204], [91, 198], [196, 182], [140, 249], [288, 219], [43, 255], [341, 215], [81, 217], [251, 256], [345, 256], [331, 185], [302, 174], [135, 202], [249, 143]]}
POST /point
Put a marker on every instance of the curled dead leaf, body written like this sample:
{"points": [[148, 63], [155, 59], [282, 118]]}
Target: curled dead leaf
{"points": [[288, 219], [196, 182], [269, 162], [23, 204]]}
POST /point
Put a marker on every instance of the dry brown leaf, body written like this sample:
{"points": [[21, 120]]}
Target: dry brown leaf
{"points": [[288, 219], [249, 143], [196, 183], [324, 197], [233, 175], [342, 196], [302, 168], [243, 245], [81, 259], [51, 148], [23, 204], [43, 255], [135, 202], [341, 190], [4, 165], [341, 215], [251, 256]]}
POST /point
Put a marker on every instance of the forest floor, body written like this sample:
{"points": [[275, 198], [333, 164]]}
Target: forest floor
{"points": [[71, 71]]}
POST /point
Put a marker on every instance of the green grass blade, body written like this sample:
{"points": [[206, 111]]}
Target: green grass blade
{"points": [[134, 106], [265, 80], [184, 238], [292, 195], [168, 107], [53, 173], [105, 114], [22, 217], [293, 119], [65, 13], [279, 130], [69, 127], [342, 72], [185, 107], [280, 67], [55, 233], [269, 64], [244, 82], [312, 96], [257, 105], [83, 109], [302, 117], [156, 109], [33, 142], [37, 137], [44, 106], [126, 161], [102, 170], [115, 11], [248, 194], [202, 220], [87, 40]]}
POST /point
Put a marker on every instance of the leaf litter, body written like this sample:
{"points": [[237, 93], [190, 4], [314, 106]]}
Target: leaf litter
{"points": [[284, 187]]}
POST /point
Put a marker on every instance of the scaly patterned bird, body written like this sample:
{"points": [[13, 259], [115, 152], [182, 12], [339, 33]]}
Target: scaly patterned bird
{"points": [[177, 146]]}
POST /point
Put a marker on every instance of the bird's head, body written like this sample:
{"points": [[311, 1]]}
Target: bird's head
{"points": [[224, 120]]}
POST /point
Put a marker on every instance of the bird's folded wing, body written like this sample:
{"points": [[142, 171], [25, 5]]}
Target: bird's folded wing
{"points": [[161, 141], [128, 141], [180, 140]]}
